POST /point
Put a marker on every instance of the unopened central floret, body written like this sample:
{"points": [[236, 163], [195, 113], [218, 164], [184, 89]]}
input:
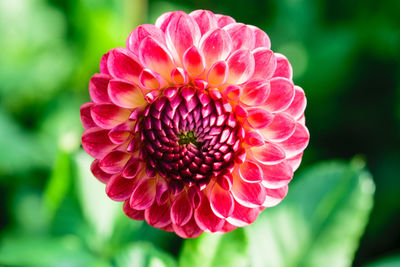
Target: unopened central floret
{"points": [[188, 136]]}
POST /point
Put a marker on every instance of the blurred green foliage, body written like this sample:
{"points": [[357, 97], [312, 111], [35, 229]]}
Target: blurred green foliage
{"points": [[345, 55]]}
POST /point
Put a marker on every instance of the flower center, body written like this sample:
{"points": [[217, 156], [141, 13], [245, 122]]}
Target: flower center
{"points": [[189, 137]]}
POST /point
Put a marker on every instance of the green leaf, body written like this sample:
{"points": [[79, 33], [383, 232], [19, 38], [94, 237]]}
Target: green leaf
{"points": [[142, 254], [39, 251], [213, 250], [319, 223], [390, 261]]}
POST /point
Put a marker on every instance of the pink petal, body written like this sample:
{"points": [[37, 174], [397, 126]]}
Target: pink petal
{"points": [[182, 32], [156, 57], [225, 181], [275, 196], [215, 45], [250, 172], [227, 227], [259, 118], [123, 64], [298, 105], [295, 161], [255, 92], [114, 162], [119, 188], [276, 176], [233, 92], [162, 193], [221, 201], [193, 62], [281, 95], [140, 33], [86, 117], [194, 196], [241, 66], [242, 36], [224, 20], [265, 63], [205, 217], [280, 129], [248, 194], [189, 230], [269, 153], [205, 19], [261, 38], [297, 142], [179, 76], [96, 143], [158, 216], [243, 216], [163, 21], [98, 88], [108, 116], [144, 194], [103, 63], [99, 173], [253, 138], [120, 133], [181, 210], [132, 168], [217, 74], [151, 80], [132, 213], [124, 94], [283, 67]]}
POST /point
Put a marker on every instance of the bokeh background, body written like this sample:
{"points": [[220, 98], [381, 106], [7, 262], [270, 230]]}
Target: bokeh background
{"points": [[346, 56]]}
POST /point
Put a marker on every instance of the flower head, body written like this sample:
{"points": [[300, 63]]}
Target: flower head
{"points": [[196, 125]]}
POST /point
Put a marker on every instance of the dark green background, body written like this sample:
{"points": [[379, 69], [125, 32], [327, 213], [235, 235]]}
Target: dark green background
{"points": [[345, 54]]}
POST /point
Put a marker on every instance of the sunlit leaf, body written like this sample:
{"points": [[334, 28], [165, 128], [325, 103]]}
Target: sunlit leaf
{"points": [[213, 250], [319, 223]]}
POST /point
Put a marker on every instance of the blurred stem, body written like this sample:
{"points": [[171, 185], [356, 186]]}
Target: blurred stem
{"points": [[135, 13]]}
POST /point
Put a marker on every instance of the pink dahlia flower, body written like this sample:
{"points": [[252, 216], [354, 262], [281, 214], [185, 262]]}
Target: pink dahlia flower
{"points": [[196, 125]]}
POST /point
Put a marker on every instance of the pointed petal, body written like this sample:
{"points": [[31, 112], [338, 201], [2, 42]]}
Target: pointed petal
{"points": [[215, 45], [132, 168], [297, 142], [250, 172], [189, 230], [181, 210], [221, 201], [224, 20], [96, 143], [193, 62], [227, 227], [114, 162], [241, 66], [120, 133], [151, 80], [140, 33], [254, 138], [248, 194], [243, 216], [132, 213], [261, 38], [124, 94], [281, 95], [265, 63], [158, 216], [99, 173], [276, 176], [298, 105], [162, 193], [86, 116], [283, 67], [280, 129], [182, 32], [103, 64], [144, 194], [218, 74], [205, 217], [255, 92], [119, 188], [295, 161], [98, 88], [156, 57], [123, 64], [179, 76], [205, 19], [275, 196], [163, 21], [259, 118], [268, 154], [242, 36], [108, 116]]}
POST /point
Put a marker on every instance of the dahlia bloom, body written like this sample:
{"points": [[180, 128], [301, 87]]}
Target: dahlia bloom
{"points": [[196, 125]]}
